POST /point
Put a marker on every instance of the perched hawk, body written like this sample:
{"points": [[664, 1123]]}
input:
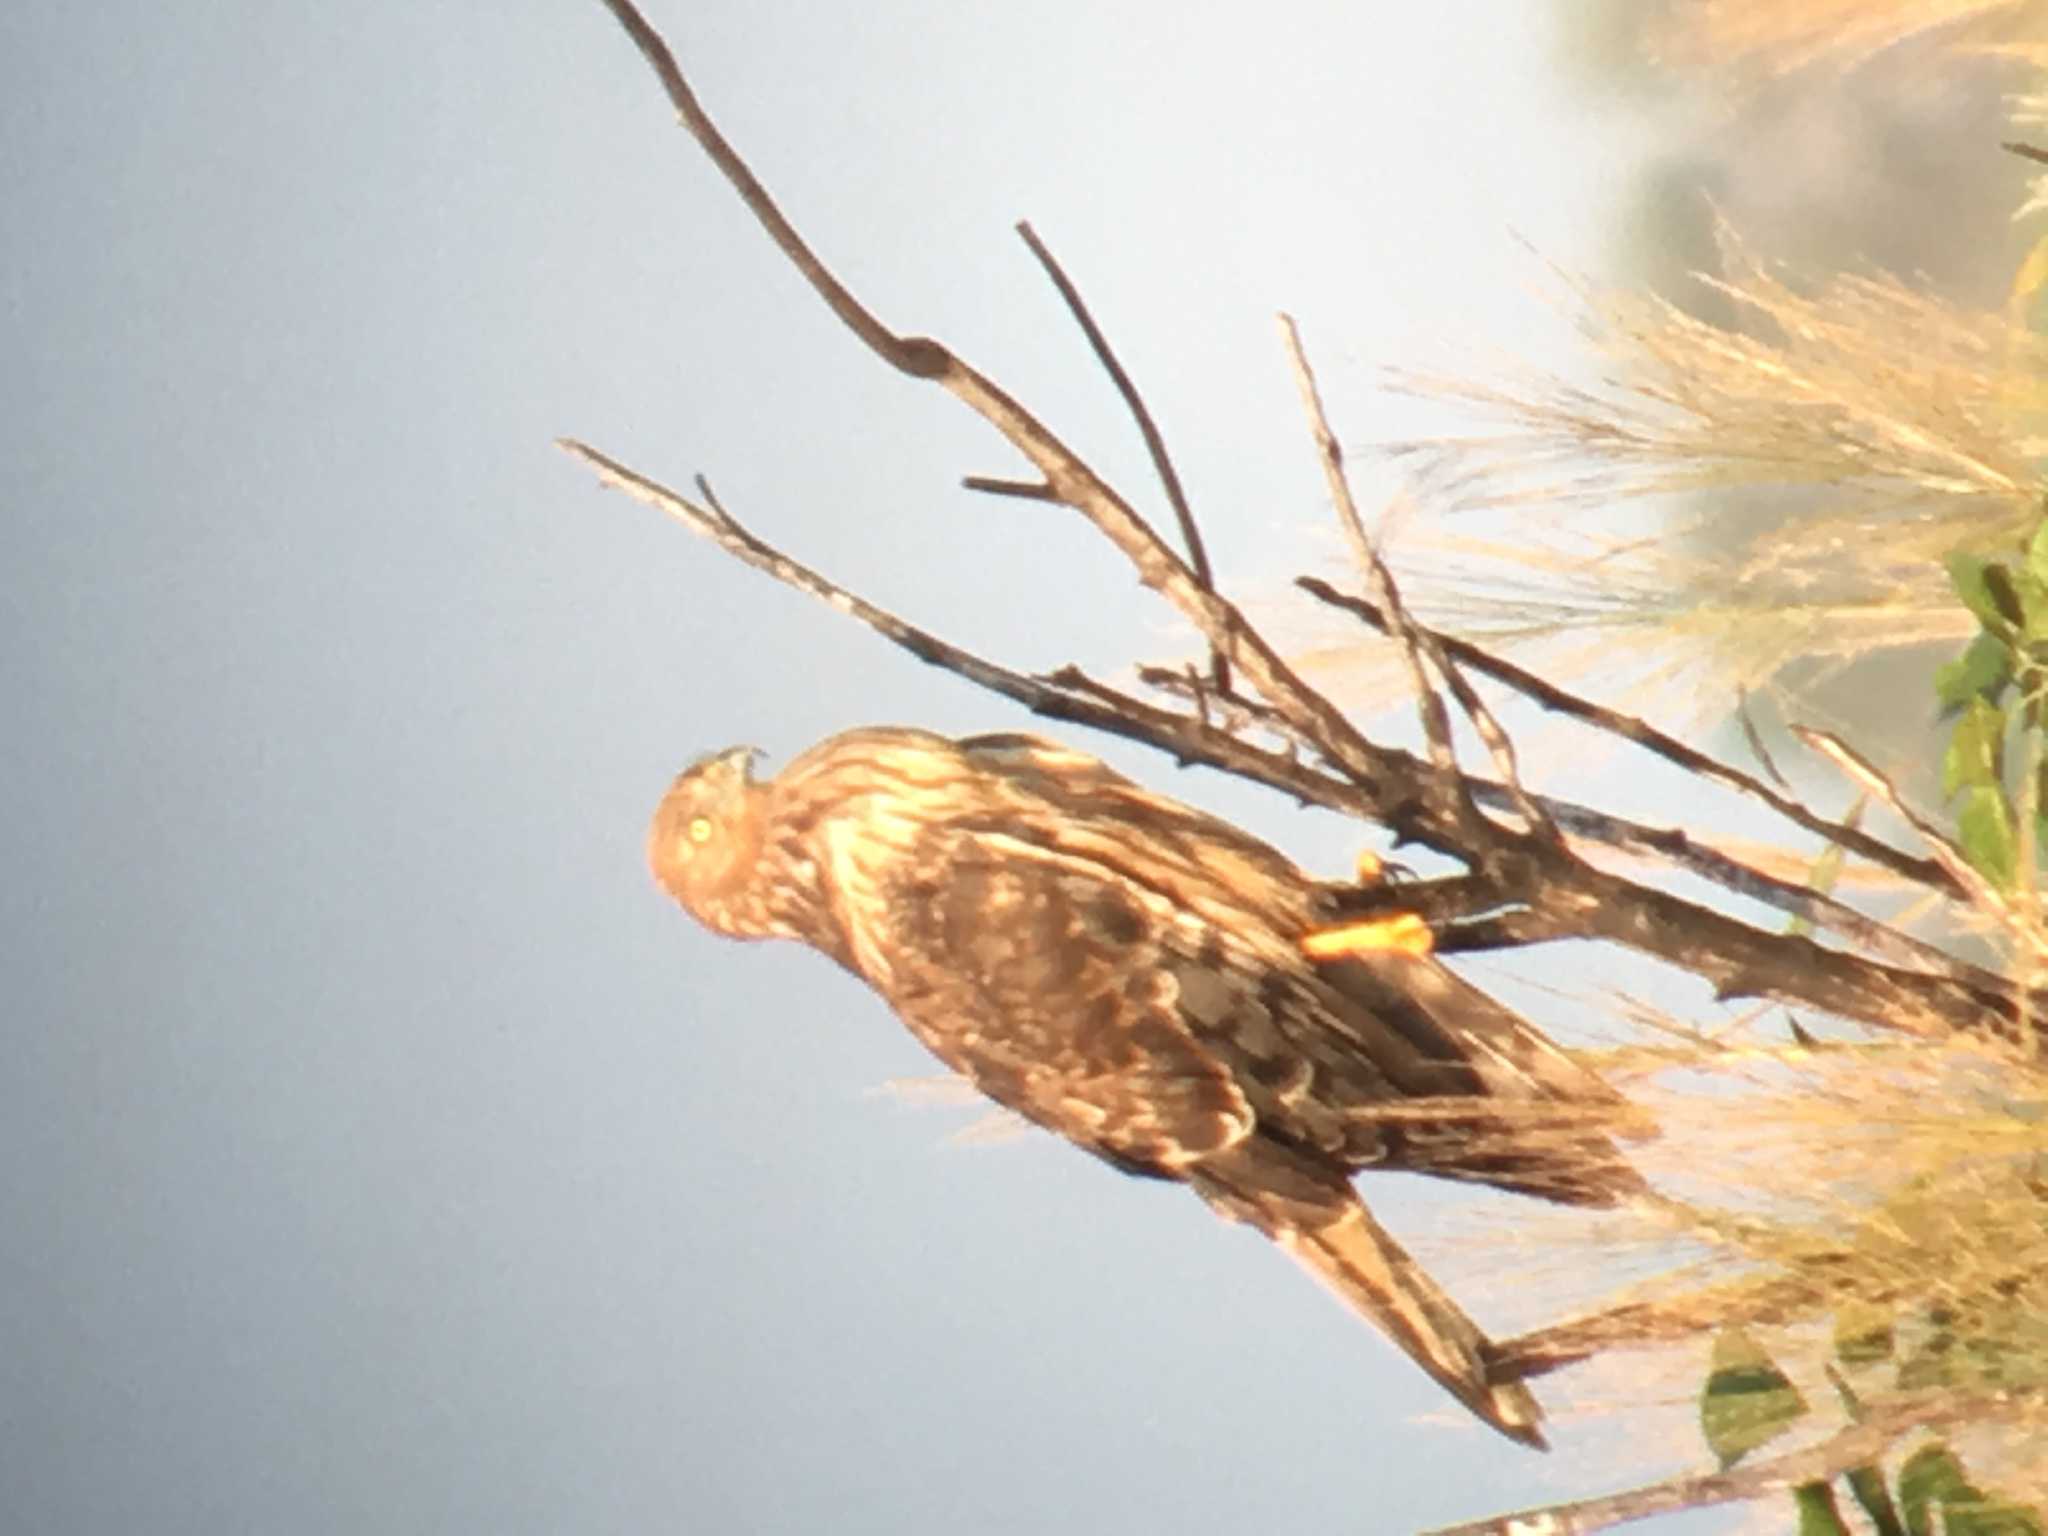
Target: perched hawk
{"points": [[1131, 973]]}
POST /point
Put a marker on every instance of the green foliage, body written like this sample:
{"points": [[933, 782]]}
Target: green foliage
{"points": [[1748, 1400], [1993, 694], [1866, 1484], [1818, 1515], [1932, 1480]]}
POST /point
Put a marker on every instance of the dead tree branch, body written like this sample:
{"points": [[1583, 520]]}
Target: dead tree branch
{"points": [[1148, 429], [1526, 873], [1854, 840], [1416, 643], [1853, 1446]]}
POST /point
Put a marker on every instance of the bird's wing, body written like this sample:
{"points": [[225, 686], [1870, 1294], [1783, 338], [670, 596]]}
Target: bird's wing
{"points": [[1323, 1048], [1445, 1018], [1083, 806], [1513, 1110], [1312, 1212], [1042, 980], [1097, 1006]]}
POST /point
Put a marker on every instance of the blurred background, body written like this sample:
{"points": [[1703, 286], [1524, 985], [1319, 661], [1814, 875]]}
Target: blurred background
{"points": [[378, 1150]]}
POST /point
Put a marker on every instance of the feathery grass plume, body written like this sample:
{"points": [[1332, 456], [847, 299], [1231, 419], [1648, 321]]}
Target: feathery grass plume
{"points": [[1892, 401], [1770, 37], [1871, 430], [1873, 1217]]}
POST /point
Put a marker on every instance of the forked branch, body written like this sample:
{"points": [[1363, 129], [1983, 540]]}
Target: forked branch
{"points": [[1527, 876]]}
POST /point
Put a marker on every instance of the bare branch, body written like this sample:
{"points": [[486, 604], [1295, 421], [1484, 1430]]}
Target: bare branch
{"points": [[1022, 490], [918, 358], [1780, 1300], [1669, 846], [1754, 738], [1673, 847], [710, 520], [1629, 728], [1415, 642], [1067, 694], [1529, 870], [1155, 442], [1853, 1446], [1072, 480], [1436, 726]]}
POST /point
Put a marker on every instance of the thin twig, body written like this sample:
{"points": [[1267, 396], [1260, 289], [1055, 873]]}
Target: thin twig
{"points": [[710, 520], [1860, 770], [1778, 1302], [1023, 490], [1415, 642], [912, 355], [1155, 442], [1067, 694], [1186, 683], [1436, 725], [1755, 740]]}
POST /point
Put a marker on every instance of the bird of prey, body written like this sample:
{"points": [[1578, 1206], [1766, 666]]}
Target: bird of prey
{"points": [[1146, 980]]}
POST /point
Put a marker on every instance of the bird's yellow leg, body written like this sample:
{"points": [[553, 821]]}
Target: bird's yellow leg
{"points": [[1403, 931], [1372, 869]]}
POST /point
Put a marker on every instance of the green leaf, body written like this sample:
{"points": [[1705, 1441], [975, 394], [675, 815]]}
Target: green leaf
{"points": [[1976, 748], [1967, 574], [1930, 1477], [1826, 873], [1867, 1484], [1747, 1399], [1984, 828], [1933, 1479], [2002, 584], [1982, 671], [2032, 596], [1817, 1513], [1992, 1518], [2037, 554]]}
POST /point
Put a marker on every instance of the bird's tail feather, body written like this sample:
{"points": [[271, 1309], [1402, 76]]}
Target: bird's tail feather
{"points": [[1317, 1218]]}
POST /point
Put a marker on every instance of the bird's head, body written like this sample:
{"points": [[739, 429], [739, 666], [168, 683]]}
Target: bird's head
{"points": [[705, 842]]}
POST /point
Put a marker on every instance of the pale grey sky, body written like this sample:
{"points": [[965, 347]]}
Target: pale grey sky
{"points": [[378, 1151]]}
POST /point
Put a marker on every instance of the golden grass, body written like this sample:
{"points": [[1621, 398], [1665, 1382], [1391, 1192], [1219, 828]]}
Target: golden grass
{"points": [[1796, 482], [1779, 37]]}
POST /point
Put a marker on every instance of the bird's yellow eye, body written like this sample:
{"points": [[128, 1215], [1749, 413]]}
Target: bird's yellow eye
{"points": [[700, 829]]}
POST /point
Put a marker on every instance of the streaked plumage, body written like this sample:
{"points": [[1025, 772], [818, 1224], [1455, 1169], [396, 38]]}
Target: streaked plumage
{"points": [[1127, 971]]}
